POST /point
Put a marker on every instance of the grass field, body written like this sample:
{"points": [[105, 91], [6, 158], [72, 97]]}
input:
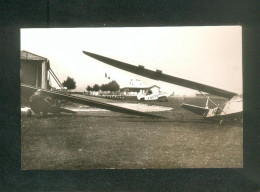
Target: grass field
{"points": [[105, 139]]}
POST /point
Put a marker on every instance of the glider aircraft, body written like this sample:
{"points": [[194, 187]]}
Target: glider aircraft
{"points": [[28, 90], [231, 110]]}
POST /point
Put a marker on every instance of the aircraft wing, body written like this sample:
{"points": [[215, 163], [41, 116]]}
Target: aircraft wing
{"points": [[158, 75], [29, 90], [195, 109]]}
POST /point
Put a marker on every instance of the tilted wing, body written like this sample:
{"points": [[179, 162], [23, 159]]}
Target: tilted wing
{"points": [[158, 75], [195, 109], [28, 89]]}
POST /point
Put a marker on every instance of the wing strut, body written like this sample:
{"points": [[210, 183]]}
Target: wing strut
{"points": [[57, 80], [212, 101]]}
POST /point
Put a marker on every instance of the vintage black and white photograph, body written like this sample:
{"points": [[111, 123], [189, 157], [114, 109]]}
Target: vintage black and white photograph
{"points": [[131, 98]]}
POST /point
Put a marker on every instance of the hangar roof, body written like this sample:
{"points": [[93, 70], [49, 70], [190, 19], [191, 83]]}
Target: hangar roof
{"points": [[25, 55]]}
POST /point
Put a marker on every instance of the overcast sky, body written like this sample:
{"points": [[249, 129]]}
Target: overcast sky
{"points": [[208, 55]]}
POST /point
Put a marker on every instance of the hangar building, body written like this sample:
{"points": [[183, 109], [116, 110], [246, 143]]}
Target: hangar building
{"points": [[34, 69]]}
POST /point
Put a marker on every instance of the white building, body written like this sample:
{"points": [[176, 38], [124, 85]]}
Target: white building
{"points": [[134, 90]]}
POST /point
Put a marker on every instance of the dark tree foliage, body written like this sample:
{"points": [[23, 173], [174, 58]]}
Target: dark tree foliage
{"points": [[89, 88], [113, 86], [70, 83], [104, 87], [96, 87]]}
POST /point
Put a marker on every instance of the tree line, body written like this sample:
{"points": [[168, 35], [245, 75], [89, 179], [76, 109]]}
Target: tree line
{"points": [[111, 86]]}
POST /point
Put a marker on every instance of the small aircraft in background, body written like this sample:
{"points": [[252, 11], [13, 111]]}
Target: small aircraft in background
{"points": [[146, 93], [231, 110], [150, 96]]}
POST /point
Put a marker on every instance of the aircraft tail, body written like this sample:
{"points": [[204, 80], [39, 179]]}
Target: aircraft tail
{"points": [[195, 109]]}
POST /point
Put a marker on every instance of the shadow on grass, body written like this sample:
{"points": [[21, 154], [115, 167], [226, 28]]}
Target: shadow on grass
{"points": [[83, 116], [132, 118], [187, 121]]}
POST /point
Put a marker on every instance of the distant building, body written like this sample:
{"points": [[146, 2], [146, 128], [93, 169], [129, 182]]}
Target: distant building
{"points": [[59, 88], [34, 69], [134, 90]]}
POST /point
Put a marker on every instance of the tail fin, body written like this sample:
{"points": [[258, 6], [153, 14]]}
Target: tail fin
{"points": [[195, 109]]}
